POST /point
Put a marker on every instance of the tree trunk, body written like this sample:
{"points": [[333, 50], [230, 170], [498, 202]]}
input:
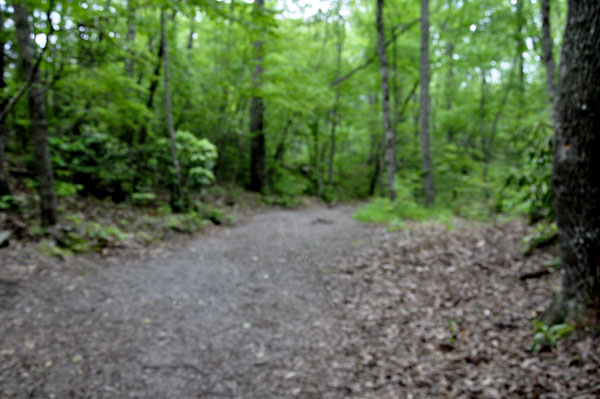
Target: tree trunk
{"points": [[190, 43], [177, 198], [258, 171], [520, 49], [152, 90], [336, 104], [575, 177], [449, 90], [130, 38], [390, 142], [485, 146], [547, 54], [4, 186], [396, 115], [450, 83], [37, 113], [317, 157], [424, 106]]}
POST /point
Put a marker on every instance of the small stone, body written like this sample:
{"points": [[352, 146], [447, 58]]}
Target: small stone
{"points": [[5, 237]]}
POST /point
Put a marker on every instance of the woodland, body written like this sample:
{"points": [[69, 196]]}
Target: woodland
{"points": [[465, 129]]}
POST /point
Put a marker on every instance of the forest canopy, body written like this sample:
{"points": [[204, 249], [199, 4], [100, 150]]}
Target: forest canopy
{"points": [[288, 94]]}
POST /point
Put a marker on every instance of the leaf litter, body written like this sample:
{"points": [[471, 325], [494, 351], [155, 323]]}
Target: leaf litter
{"points": [[432, 313]]}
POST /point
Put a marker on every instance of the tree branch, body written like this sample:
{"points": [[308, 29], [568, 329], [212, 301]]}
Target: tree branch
{"points": [[32, 73], [397, 31]]}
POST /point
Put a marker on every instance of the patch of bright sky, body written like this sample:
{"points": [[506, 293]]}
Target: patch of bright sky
{"points": [[308, 8]]}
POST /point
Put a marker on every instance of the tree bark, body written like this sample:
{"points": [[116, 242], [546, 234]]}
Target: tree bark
{"points": [[424, 106], [130, 38], [178, 201], [152, 90], [450, 83], [485, 145], [450, 91], [547, 54], [575, 177], [37, 113], [336, 104], [190, 43], [390, 141], [4, 186], [520, 49], [395, 88], [317, 156], [258, 170]]}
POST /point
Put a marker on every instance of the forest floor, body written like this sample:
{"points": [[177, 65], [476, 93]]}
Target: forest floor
{"points": [[294, 304]]}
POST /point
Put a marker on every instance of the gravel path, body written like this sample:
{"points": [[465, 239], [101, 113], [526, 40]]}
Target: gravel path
{"points": [[222, 317]]}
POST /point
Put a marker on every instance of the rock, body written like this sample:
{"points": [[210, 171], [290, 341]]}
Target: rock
{"points": [[5, 237]]}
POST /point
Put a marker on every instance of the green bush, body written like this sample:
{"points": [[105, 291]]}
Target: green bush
{"points": [[94, 163], [197, 158], [528, 189]]}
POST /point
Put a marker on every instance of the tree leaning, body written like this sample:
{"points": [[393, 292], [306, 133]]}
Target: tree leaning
{"points": [[576, 181]]}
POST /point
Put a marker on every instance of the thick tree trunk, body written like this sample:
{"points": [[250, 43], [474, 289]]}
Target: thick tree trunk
{"points": [[576, 181], [37, 113], [178, 201], [424, 106], [258, 170], [390, 140], [547, 54], [4, 186]]}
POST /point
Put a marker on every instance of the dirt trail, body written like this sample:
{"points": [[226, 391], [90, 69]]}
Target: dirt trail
{"points": [[221, 317]]}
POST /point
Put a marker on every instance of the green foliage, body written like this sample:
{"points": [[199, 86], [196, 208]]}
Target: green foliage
{"points": [[49, 248], [490, 141], [8, 202], [379, 210], [65, 189], [89, 237], [553, 264], [290, 184], [547, 337], [528, 188], [284, 200], [382, 210], [143, 199], [213, 214], [197, 159], [188, 223], [542, 234], [93, 163]]}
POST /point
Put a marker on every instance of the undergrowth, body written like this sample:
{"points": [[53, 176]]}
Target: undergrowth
{"points": [[382, 210]]}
